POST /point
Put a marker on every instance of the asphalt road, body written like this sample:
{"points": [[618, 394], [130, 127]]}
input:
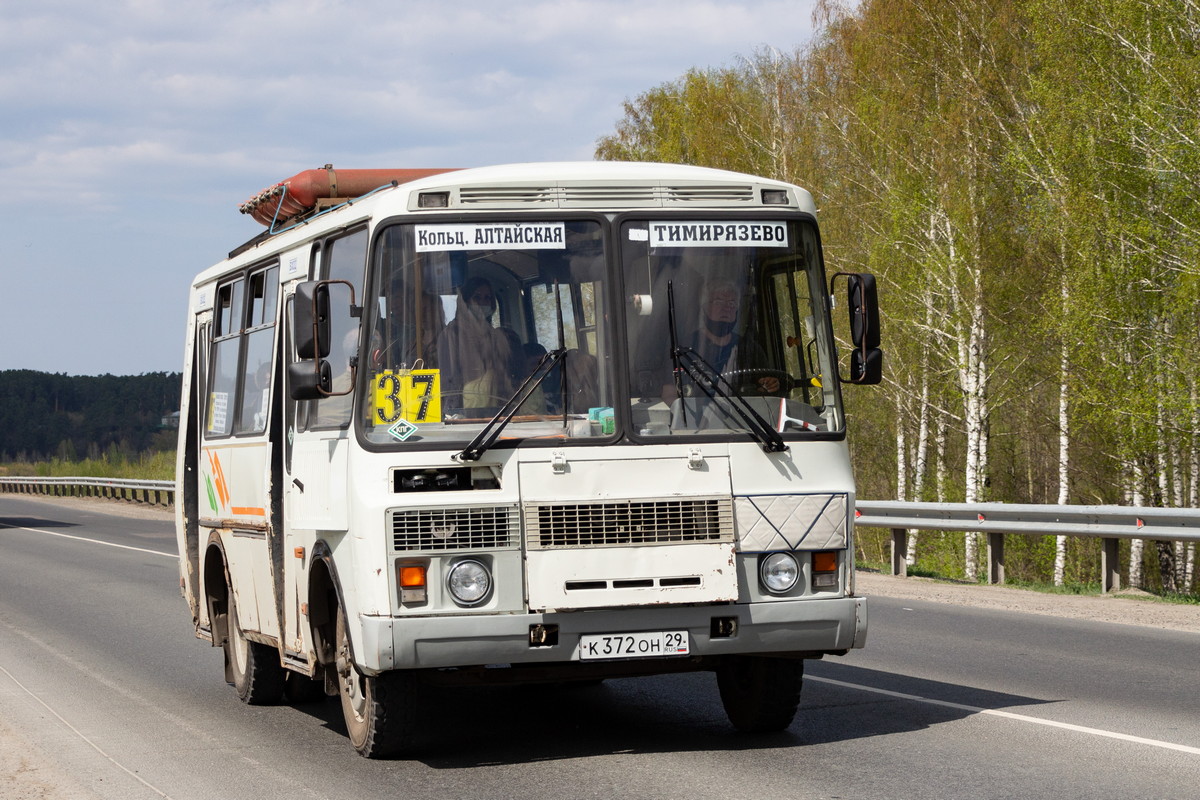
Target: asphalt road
{"points": [[104, 693]]}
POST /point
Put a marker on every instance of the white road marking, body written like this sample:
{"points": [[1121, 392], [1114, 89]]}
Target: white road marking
{"points": [[84, 737], [1124, 737], [93, 541]]}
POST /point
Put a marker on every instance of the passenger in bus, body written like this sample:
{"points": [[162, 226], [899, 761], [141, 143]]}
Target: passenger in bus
{"points": [[474, 356]]}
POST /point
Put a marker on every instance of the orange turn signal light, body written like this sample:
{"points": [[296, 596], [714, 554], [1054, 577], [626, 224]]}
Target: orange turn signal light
{"points": [[412, 577], [825, 561]]}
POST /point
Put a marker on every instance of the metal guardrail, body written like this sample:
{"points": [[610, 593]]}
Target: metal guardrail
{"points": [[1108, 523], [134, 491]]}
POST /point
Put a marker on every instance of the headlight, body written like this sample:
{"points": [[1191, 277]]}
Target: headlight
{"points": [[469, 582], [778, 572]]}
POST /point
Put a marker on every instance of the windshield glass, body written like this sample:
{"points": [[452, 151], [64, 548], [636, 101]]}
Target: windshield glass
{"points": [[750, 329], [460, 314]]}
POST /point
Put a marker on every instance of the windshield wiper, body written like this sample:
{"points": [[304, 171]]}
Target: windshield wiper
{"points": [[487, 437], [719, 389], [685, 359]]}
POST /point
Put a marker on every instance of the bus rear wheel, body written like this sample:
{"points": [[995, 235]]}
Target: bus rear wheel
{"points": [[760, 694], [380, 710], [252, 668]]}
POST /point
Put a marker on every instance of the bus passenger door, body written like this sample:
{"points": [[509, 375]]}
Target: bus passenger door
{"points": [[317, 435]]}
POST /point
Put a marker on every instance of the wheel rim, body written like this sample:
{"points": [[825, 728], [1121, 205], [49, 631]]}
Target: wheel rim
{"points": [[240, 647], [349, 681]]}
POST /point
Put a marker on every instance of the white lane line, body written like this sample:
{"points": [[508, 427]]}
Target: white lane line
{"points": [[1124, 737], [93, 541], [84, 737]]}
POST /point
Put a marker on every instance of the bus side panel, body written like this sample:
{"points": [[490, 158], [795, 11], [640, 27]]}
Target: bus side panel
{"points": [[319, 465], [235, 478]]}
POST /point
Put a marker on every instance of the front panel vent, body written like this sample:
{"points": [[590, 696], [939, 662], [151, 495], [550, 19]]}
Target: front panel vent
{"points": [[441, 529], [509, 195], [710, 194], [645, 522]]}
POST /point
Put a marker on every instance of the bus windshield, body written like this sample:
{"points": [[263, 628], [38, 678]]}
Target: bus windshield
{"points": [[727, 328], [460, 314]]}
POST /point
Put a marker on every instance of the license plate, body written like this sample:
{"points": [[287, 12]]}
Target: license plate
{"points": [[633, 645]]}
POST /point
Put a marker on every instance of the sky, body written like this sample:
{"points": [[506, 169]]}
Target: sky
{"points": [[131, 130]]}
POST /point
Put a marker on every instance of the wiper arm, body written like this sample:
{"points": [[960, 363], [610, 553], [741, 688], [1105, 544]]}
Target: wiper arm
{"points": [[676, 367], [487, 437], [715, 386]]}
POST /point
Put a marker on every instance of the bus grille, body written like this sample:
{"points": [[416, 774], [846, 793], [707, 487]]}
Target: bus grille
{"points": [[644, 522], [424, 529]]}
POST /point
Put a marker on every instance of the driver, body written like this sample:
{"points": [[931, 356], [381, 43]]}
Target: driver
{"points": [[716, 340]]}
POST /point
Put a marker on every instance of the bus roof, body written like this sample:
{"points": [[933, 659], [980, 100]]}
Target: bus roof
{"points": [[567, 185]]}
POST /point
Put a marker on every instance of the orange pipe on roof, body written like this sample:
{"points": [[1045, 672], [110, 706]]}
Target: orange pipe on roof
{"points": [[302, 191]]}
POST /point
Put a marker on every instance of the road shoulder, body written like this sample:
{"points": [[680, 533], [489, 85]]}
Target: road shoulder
{"points": [[1123, 608]]}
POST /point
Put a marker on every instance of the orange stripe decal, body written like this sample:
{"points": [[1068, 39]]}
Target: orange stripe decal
{"points": [[219, 474]]}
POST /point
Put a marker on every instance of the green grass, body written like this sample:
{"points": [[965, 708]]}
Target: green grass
{"points": [[1050, 588], [155, 466]]}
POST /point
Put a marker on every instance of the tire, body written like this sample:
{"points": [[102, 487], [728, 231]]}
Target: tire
{"points": [[760, 694], [252, 668], [380, 710]]}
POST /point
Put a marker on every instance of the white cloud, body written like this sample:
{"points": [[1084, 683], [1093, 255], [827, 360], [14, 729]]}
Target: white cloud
{"points": [[134, 122]]}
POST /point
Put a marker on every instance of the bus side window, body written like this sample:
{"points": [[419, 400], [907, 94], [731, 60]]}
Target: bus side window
{"points": [[226, 353], [342, 259], [259, 336], [242, 346]]}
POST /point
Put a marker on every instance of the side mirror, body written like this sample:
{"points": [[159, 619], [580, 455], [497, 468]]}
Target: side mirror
{"points": [[310, 320], [864, 309], [310, 380], [866, 369], [866, 359]]}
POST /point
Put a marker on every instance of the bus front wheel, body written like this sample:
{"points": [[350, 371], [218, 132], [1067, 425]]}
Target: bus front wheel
{"points": [[760, 694], [380, 710]]}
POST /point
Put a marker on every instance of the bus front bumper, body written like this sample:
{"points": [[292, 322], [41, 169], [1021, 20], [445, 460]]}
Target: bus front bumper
{"points": [[807, 627]]}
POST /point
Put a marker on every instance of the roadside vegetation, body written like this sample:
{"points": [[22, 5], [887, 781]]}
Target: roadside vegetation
{"points": [[158, 465], [1021, 176]]}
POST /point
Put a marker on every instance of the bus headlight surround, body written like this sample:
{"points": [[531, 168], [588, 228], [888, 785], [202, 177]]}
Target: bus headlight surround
{"points": [[469, 582], [778, 572]]}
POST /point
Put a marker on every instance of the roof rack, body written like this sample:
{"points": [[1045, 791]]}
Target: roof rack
{"points": [[307, 191]]}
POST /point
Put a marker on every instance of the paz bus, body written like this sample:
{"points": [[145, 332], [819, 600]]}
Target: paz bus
{"points": [[532, 423]]}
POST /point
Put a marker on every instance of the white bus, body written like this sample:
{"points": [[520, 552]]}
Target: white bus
{"points": [[529, 423]]}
